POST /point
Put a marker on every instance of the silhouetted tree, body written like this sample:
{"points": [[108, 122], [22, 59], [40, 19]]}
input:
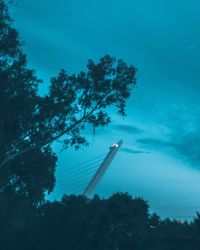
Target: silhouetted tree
{"points": [[118, 223], [76, 222], [30, 123], [121, 223]]}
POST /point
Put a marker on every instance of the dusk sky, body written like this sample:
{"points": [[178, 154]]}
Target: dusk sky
{"points": [[160, 156]]}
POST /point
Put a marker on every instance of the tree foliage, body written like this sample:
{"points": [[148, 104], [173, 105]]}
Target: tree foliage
{"points": [[119, 222], [30, 123], [31, 174]]}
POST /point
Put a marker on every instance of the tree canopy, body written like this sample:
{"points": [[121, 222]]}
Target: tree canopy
{"points": [[119, 222], [30, 123]]}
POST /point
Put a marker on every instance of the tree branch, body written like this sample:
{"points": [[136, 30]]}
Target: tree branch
{"points": [[15, 155]]}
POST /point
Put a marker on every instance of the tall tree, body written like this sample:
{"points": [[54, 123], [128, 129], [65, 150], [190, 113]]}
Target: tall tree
{"points": [[30, 123], [32, 173]]}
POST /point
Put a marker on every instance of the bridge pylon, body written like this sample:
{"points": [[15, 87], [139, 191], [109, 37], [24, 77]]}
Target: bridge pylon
{"points": [[102, 169]]}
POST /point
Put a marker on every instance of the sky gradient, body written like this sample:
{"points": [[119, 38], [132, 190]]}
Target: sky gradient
{"points": [[160, 157]]}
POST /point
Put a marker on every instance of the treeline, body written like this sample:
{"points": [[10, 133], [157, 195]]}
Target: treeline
{"points": [[117, 223]]}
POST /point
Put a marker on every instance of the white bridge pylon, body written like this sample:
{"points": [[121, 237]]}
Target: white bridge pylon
{"points": [[102, 169]]}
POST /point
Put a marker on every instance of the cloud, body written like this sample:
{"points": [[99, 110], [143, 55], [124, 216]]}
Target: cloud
{"points": [[122, 128], [176, 133], [130, 129], [133, 151], [185, 146], [149, 142], [189, 147]]}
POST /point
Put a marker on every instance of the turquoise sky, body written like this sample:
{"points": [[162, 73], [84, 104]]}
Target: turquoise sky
{"points": [[160, 157]]}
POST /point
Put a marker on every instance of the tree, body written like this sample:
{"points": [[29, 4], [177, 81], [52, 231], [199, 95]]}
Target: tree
{"points": [[30, 123], [33, 173], [119, 222]]}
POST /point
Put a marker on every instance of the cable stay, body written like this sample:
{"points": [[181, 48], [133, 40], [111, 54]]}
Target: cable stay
{"points": [[66, 186], [78, 176], [81, 169], [84, 163]]}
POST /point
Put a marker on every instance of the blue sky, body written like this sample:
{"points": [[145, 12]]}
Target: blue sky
{"points": [[160, 157]]}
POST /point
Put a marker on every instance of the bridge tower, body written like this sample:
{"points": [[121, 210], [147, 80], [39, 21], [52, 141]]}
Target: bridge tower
{"points": [[102, 169]]}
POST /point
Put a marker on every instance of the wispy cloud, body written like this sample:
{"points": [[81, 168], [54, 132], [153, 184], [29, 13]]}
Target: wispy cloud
{"points": [[184, 145], [133, 151], [130, 129]]}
